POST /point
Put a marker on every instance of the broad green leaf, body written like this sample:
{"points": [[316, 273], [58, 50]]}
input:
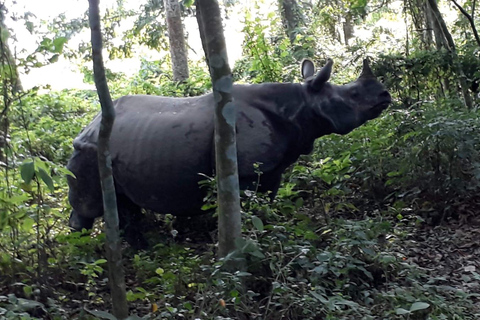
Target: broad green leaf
{"points": [[28, 290], [319, 297], [39, 163], [27, 170], [257, 253], [159, 271], [28, 305], [102, 314], [54, 58], [419, 306], [17, 199], [257, 222], [29, 26], [46, 178], [401, 311], [299, 203], [28, 224], [187, 3], [59, 43], [66, 172], [100, 261]]}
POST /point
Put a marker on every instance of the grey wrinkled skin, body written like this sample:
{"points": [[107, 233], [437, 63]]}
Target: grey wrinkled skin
{"points": [[159, 145]]}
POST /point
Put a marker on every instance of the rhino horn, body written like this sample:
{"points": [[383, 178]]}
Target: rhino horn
{"points": [[323, 75], [366, 71]]}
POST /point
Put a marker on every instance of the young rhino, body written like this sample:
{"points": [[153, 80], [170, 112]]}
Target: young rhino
{"points": [[159, 145]]}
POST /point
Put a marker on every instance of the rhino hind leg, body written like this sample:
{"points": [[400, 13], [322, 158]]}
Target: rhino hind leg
{"points": [[132, 221]]}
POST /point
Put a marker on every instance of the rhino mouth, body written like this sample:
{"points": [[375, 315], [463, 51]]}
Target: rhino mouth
{"points": [[377, 109], [381, 106]]}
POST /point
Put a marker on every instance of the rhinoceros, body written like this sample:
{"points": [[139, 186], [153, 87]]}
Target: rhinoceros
{"points": [[160, 145]]}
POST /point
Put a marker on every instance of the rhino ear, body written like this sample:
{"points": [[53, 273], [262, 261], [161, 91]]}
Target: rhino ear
{"points": [[323, 76], [366, 71], [307, 68]]}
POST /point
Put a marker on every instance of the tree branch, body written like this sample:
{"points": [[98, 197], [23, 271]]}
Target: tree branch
{"points": [[470, 20]]}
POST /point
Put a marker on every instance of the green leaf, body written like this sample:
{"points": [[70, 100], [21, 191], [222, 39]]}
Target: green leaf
{"points": [[46, 178], [401, 311], [28, 224], [187, 3], [17, 199], [299, 203], [257, 253], [66, 172], [27, 170], [59, 43], [159, 271], [257, 222], [53, 59], [29, 26], [419, 306], [134, 317], [319, 297], [102, 314], [28, 290], [100, 261]]}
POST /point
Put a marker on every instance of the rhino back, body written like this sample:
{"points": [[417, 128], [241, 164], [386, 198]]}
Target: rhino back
{"points": [[159, 145]]}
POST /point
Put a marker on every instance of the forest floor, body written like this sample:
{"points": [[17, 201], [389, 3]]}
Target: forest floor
{"points": [[449, 254]]}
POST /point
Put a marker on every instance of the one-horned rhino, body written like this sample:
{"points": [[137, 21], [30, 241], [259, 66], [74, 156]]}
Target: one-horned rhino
{"points": [[159, 145]]}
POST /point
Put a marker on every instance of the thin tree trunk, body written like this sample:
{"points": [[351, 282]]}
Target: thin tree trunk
{"points": [[348, 28], [290, 16], [113, 248], [462, 79], [428, 33], [7, 59], [11, 84], [229, 219], [178, 50]]}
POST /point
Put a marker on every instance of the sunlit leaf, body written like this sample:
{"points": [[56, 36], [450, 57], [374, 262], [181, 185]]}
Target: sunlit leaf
{"points": [[27, 170], [46, 179]]}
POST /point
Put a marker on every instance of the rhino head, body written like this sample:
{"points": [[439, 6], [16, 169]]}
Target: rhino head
{"points": [[348, 106]]}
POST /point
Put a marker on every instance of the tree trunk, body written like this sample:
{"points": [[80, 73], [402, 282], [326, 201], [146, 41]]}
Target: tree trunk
{"points": [[113, 248], [7, 62], [348, 28], [211, 32], [178, 50], [290, 17], [448, 40], [11, 84], [428, 34]]}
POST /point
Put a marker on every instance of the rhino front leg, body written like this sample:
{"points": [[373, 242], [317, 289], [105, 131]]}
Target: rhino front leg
{"points": [[85, 194]]}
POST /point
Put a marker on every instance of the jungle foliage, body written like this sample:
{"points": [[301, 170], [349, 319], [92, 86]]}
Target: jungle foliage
{"points": [[357, 226]]}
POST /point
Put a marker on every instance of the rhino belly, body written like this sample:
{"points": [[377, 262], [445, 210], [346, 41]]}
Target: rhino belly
{"points": [[157, 161]]}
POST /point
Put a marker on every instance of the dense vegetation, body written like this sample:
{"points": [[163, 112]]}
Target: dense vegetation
{"points": [[379, 224]]}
